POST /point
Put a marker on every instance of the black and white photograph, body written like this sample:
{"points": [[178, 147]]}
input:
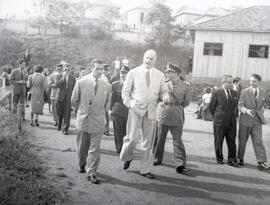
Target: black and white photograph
{"points": [[146, 102]]}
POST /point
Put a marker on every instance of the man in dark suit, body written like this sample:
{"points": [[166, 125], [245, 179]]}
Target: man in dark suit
{"points": [[27, 58], [119, 111], [251, 105], [223, 106], [18, 79], [65, 84]]}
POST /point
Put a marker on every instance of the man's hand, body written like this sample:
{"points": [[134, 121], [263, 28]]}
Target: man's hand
{"points": [[249, 112]]}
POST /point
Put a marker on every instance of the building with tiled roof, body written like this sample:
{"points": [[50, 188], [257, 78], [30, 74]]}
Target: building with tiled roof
{"points": [[235, 44]]}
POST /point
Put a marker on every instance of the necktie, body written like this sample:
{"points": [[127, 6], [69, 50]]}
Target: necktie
{"points": [[67, 82], [21, 75], [229, 94], [96, 86], [147, 77], [255, 96]]}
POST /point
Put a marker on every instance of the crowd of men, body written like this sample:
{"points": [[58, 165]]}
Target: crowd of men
{"points": [[145, 104]]}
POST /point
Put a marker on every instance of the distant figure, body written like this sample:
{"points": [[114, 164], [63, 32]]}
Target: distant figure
{"points": [[36, 82], [117, 63], [107, 74], [5, 75], [223, 106], [143, 88], [203, 109], [65, 84], [27, 58], [119, 111], [18, 79], [52, 84], [125, 61], [251, 105], [190, 65], [47, 91], [237, 87], [90, 98]]}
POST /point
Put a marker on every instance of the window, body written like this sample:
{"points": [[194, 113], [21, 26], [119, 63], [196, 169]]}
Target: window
{"points": [[213, 49], [142, 17], [258, 51]]}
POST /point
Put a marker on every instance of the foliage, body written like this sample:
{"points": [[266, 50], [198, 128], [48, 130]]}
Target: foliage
{"points": [[161, 20], [22, 177]]}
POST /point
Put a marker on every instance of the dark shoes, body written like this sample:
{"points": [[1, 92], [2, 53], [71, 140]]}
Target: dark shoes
{"points": [[127, 164], [232, 163], [36, 123], [262, 166], [149, 175], [65, 132], [220, 162], [182, 170], [107, 133], [156, 162], [55, 124], [58, 128], [93, 179], [241, 162], [82, 169]]}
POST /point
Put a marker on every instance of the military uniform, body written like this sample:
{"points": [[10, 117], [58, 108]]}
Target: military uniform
{"points": [[172, 118], [119, 114]]}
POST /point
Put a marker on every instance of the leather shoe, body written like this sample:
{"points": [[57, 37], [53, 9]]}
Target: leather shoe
{"points": [[149, 175], [93, 179], [262, 166], [82, 169], [233, 164], [127, 164], [156, 162], [182, 170], [55, 124], [241, 162], [65, 132], [58, 128], [220, 162]]}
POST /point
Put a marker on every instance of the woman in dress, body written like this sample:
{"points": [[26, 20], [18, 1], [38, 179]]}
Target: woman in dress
{"points": [[37, 84]]}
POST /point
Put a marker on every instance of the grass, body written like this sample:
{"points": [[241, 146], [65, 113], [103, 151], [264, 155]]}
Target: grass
{"points": [[23, 179]]}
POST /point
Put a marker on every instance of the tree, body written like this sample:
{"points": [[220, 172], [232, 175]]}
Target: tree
{"points": [[161, 20]]}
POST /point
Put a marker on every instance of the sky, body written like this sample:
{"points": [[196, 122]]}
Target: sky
{"points": [[10, 7]]}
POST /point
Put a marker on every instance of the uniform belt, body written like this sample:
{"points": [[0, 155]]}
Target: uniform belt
{"points": [[172, 103]]}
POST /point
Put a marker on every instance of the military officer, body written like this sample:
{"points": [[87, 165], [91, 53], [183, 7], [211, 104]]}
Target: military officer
{"points": [[172, 118]]}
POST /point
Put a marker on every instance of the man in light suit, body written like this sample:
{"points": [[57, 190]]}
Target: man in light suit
{"points": [[223, 106], [142, 90], [65, 85], [91, 97], [251, 105]]}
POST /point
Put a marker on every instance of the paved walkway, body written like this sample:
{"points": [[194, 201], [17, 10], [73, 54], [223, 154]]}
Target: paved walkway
{"points": [[208, 183]]}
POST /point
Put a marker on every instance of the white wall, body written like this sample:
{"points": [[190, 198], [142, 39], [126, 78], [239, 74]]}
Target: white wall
{"points": [[234, 60], [186, 19]]}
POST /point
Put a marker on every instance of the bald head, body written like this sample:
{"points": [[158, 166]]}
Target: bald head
{"points": [[149, 58]]}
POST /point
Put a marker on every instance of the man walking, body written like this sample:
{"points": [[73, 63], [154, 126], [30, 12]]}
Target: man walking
{"points": [[91, 97], [251, 105], [172, 118], [142, 90], [223, 106], [65, 86], [52, 83]]}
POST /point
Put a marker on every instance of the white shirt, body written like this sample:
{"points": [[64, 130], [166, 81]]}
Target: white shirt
{"points": [[254, 89], [206, 97]]}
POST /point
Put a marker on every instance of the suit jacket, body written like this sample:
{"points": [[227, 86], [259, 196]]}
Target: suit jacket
{"points": [[247, 101], [91, 107], [173, 115], [65, 88], [52, 80], [117, 106], [137, 95], [224, 110], [15, 76]]}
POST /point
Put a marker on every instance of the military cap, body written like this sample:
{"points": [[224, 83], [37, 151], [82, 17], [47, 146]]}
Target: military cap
{"points": [[124, 69], [173, 68]]}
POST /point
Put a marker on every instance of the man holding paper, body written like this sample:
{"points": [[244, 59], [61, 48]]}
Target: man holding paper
{"points": [[141, 93]]}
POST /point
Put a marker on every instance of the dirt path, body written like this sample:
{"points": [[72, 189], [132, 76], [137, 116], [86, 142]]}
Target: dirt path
{"points": [[208, 182]]}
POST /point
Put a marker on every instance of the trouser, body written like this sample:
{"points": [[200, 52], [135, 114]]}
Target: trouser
{"points": [[54, 110], [256, 137], [119, 128], [178, 146], [64, 112], [134, 124], [19, 100], [88, 150], [107, 124], [229, 133]]}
